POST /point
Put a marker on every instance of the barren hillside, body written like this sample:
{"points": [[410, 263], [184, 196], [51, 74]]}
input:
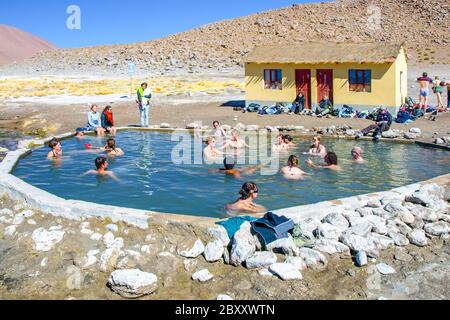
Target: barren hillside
{"points": [[219, 47], [17, 45]]}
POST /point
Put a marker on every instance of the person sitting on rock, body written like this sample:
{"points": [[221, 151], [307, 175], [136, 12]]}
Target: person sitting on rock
{"points": [[245, 204], [383, 123], [56, 152], [94, 122]]}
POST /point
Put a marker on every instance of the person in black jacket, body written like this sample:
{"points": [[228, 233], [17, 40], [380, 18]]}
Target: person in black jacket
{"points": [[299, 103], [383, 123]]}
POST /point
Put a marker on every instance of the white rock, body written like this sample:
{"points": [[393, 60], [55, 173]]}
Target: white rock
{"points": [[380, 241], [192, 126], [395, 208], [373, 204], [44, 262], [329, 231], [6, 212], [145, 249], [378, 224], [385, 269], [214, 251], [261, 259], [224, 297], [31, 222], [364, 212], [10, 231], [415, 130], [165, 254], [165, 125], [400, 226], [243, 245], [437, 228], [313, 258], [190, 248], [308, 226], [355, 220], [286, 271], [89, 261], [110, 256], [298, 262], [190, 264], [133, 283], [202, 276], [389, 134], [265, 272], [361, 259], [96, 236], [112, 228], [362, 229], [93, 252], [359, 243], [108, 239], [418, 237], [284, 245], [45, 240], [252, 128], [399, 239], [219, 233], [331, 247], [87, 232], [407, 217]]}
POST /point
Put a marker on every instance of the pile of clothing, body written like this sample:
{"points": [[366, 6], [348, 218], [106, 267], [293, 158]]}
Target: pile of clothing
{"points": [[269, 229]]}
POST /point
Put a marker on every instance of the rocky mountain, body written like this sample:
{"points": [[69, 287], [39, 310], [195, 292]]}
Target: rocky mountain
{"points": [[18, 45], [219, 47]]}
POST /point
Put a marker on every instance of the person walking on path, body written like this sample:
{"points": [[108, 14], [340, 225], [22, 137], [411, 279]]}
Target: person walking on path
{"points": [[144, 95], [424, 82]]}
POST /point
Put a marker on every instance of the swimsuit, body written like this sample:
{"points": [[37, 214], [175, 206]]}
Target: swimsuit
{"points": [[424, 92]]}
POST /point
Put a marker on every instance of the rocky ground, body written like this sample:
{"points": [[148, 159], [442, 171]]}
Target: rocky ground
{"points": [[220, 47], [44, 257]]}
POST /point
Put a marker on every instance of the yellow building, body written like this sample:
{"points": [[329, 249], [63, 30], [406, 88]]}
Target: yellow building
{"points": [[363, 75]]}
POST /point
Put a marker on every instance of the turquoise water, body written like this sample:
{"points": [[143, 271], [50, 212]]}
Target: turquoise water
{"points": [[149, 180]]}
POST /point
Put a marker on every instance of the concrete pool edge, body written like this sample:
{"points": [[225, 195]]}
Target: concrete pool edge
{"points": [[48, 203]]}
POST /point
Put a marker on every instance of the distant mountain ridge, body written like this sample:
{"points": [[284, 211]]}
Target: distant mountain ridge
{"points": [[17, 45], [422, 25]]}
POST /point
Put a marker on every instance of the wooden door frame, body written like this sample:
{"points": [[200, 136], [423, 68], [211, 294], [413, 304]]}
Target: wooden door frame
{"points": [[307, 101]]}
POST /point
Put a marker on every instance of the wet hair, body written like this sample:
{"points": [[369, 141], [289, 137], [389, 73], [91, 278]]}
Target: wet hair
{"points": [[331, 159], [293, 161], [318, 139], [111, 143], [425, 74], [357, 150], [288, 138], [99, 162], [247, 190], [53, 143], [229, 163]]}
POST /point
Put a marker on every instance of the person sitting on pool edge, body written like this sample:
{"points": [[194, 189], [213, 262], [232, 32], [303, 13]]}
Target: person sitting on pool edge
{"points": [[382, 124], [111, 149], [356, 155], [56, 151], [331, 162], [107, 121], [101, 163], [245, 204], [94, 122], [292, 171]]}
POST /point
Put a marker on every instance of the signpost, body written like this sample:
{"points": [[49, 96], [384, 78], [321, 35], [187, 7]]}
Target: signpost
{"points": [[131, 71]]}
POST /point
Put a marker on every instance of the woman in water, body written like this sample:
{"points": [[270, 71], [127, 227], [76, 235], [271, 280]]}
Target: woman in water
{"points": [[288, 141], [292, 171], [356, 155], [56, 152], [108, 121], [317, 148], [94, 123], [245, 204], [211, 152], [331, 162], [235, 141], [111, 149], [280, 145]]}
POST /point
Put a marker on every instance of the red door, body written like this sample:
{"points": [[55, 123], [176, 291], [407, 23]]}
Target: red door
{"points": [[303, 84], [324, 84]]}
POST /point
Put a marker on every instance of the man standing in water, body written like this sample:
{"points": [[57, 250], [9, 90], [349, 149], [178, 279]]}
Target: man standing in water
{"points": [[144, 96], [424, 82]]}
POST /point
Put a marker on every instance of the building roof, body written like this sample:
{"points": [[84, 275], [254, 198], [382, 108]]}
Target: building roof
{"points": [[313, 53]]}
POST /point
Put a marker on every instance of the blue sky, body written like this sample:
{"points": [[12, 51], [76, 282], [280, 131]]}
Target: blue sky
{"points": [[119, 21]]}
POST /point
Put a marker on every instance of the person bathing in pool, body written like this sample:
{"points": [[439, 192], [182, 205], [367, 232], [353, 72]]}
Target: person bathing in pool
{"points": [[331, 162], [317, 148], [245, 204], [111, 149], [288, 141], [280, 145], [211, 152], [356, 155], [102, 165], [56, 152], [235, 141], [292, 171], [229, 168]]}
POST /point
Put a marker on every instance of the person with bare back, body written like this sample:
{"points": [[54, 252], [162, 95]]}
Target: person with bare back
{"points": [[424, 82]]}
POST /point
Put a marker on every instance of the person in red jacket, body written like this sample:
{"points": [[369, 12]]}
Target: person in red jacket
{"points": [[108, 121]]}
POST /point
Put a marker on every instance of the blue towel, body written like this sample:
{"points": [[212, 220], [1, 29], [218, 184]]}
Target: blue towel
{"points": [[232, 225], [272, 227]]}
